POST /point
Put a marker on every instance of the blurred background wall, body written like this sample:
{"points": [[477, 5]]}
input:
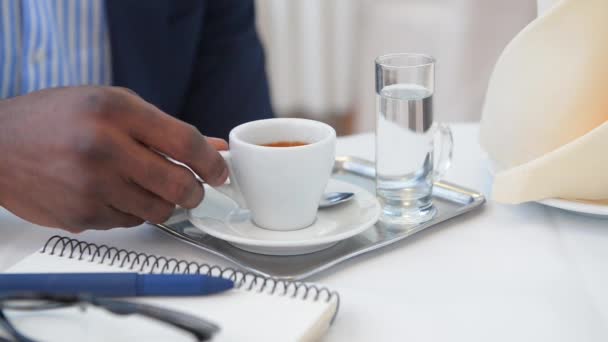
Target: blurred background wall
{"points": [[320, 53]]}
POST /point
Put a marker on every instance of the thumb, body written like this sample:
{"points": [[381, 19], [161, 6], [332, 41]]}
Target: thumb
{"points": [[219, 144]]}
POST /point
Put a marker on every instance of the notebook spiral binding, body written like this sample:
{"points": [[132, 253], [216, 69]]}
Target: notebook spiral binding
{"points": [[148, 263]]}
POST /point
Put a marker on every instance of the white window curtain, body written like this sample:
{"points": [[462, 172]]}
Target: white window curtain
{"points": [[310, 54], [544, 5], [320, 53]]}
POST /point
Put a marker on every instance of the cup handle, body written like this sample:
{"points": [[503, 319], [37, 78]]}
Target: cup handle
{"points": [[231, 188], [443, 146]]}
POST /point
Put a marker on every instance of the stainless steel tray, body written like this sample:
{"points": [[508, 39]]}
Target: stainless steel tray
{"points": [[451, 200]]}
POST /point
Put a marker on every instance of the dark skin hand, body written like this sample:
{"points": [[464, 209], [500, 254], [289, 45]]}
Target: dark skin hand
{"points": [[81, 158]]}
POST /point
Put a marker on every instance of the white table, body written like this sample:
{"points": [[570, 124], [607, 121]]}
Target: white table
{"points": [[504, 273]]}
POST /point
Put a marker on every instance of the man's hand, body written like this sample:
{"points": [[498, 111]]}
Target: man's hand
{"points": [[81, 158]]}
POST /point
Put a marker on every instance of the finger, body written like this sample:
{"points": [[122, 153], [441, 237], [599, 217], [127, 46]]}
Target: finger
{"points": [[152, 172], [217, 143], [143, 204], [177, 139], [127, 90], [125, 220], [101, 218]]}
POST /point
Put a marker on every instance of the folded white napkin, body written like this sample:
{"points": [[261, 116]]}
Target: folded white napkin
{"points": [[545, 119]]}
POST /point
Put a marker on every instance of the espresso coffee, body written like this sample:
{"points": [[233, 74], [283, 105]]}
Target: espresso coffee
{"points": [[285, 144]]}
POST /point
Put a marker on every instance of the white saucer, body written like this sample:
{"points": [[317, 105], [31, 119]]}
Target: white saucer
{"points": [[220, 217], [589, 208]]}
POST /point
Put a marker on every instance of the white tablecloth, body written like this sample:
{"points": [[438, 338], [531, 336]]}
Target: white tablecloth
{"points": [[503, 273]]}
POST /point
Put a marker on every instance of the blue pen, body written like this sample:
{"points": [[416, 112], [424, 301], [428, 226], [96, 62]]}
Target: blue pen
{"points": [[115, 284]]}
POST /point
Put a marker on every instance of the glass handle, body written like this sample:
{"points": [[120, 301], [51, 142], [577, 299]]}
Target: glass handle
{"points": [[443, 146]]}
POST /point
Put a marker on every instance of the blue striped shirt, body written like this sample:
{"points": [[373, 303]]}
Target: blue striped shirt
{"points": [[50, 43]]}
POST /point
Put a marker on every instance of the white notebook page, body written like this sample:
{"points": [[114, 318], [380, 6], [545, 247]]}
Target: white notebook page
{"points": [[242, 315]]}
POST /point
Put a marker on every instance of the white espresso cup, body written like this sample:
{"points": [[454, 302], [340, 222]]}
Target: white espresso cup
{"points": [[280, 186]]}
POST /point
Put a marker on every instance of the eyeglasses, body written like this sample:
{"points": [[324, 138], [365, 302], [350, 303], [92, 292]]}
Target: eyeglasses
{"points": [[201, 329]]}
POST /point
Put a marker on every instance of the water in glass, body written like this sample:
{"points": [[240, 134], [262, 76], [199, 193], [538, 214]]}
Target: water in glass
{"points": [[404, 180]]}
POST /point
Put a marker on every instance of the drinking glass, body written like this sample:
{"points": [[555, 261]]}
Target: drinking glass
{"points": [[412, 151]]}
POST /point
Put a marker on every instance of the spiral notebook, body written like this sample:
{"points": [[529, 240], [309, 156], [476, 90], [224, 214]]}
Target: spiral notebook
{"points": [[259, 309]]}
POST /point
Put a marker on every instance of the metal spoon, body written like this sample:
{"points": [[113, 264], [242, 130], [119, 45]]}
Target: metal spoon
{"points": [[333, 198]]}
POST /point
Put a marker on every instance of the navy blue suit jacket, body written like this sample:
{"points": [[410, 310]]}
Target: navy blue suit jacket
{"points": [[198, 60]]}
